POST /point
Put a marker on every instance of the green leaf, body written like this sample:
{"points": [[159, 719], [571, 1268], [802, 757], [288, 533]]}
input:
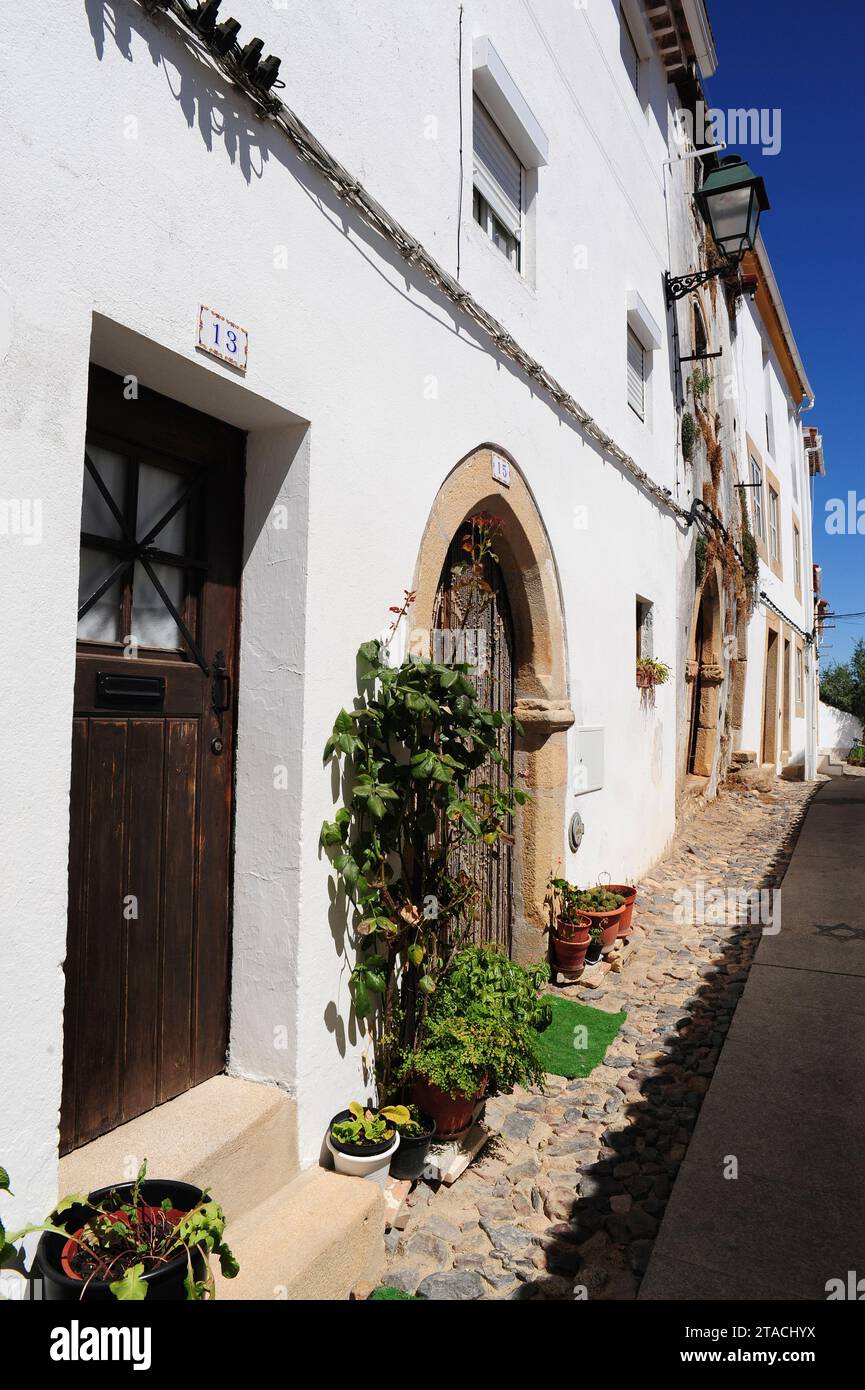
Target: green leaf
{"points": [[343, 723], [376, 806], [227, 1263], [427, 984], [74, 1199], [376, 980], [415, 954], [360, 995], [131, 1288], [370, 651], [4, 1182]]}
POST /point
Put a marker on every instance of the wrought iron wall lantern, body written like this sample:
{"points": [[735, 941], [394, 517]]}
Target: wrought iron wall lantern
{"points": [[730, 201]]}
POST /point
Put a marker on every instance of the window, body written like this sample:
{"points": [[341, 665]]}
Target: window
{"points": [[774, 530], [797, 558], [636, 375], [800, 676], [701, 341], [628, 50], [498, 186], [767, 393], [757, 494], [645, 644]]}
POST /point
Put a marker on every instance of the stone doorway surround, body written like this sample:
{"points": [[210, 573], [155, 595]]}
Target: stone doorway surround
{"points": [[542, 704], [707, 671]]}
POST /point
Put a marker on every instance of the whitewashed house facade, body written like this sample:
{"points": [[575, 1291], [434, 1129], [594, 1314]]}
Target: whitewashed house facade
{"points": [[323, 464]]}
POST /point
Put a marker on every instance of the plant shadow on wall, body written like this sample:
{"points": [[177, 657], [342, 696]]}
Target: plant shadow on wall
{"points": [[414, 755]]}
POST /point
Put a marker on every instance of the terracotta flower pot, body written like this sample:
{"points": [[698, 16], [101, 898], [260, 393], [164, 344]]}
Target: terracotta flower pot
{"points": [[629, 893], [569, 952], [452, 1114], [608, 922]]}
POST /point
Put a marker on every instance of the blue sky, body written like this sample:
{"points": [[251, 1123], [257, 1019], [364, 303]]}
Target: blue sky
{"points": [[806, 60]]}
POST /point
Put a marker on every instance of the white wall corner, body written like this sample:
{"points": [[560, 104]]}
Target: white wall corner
{"points": [[642, 322], [507, 105]]}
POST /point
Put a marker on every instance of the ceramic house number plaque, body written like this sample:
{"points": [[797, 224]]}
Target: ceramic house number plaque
{"points": [[222, 338]]}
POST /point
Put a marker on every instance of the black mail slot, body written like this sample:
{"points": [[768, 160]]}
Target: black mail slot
{"points": [[138, 692]]}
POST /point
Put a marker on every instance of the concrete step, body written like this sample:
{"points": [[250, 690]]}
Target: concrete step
{"points": [[239, 1138], [313, 1239]]}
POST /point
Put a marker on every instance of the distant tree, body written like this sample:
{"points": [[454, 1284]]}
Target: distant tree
{"points": [[843, 683]]}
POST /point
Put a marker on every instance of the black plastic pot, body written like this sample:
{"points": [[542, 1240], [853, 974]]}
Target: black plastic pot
{"points": [[358, 1150], [164, 1285], [410, 1158], [593, 954]]}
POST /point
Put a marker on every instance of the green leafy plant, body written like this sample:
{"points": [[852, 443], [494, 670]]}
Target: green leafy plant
{"points": [[370, 1126], [125, 1239], [598, 899], [414, 1126], [414, 799], [651, 672], [482, 1025], [700, 384], [689, 434], [567, 916], [856, 756]]}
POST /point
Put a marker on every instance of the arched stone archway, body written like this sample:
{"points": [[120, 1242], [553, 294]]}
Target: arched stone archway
{"points": [[542, 704], [705, 673]]}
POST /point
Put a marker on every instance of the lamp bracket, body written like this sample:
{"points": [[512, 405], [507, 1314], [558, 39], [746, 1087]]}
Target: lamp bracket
{"points": [[677, 286]]}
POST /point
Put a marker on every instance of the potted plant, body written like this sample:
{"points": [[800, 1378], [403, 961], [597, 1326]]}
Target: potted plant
{"points": [[479, 1034], [415, 1136], [629, 893], [571, 937], [604, 908], [596, 943], [363, 1141], [143, 1239], [651, 673]]}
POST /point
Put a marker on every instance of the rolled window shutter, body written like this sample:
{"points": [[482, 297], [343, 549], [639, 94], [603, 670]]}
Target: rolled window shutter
{"points": [[498, 172], [636, 375]]}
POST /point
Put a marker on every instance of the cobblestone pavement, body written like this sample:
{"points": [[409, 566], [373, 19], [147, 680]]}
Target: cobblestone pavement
{"points": [[565, 1199]]}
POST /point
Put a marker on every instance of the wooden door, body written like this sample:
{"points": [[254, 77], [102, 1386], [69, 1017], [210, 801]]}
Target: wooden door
{"points": [[696, 688], [473, 623], [152, 758]]}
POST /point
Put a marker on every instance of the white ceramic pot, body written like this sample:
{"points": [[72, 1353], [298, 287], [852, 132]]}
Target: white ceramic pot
{"points": [[373, 1166]]}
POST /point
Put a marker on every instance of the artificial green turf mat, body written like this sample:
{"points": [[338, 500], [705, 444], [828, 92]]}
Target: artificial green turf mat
{"points": [[565, 1049]]}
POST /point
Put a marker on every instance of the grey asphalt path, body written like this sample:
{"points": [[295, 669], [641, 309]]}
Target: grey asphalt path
{"points": [[787, 1099]]}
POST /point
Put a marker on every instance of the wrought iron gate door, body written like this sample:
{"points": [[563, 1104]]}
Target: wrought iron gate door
{"points": [[473, 623]]}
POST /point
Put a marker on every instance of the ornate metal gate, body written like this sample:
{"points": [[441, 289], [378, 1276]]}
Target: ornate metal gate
{"points": [[472, 622]]}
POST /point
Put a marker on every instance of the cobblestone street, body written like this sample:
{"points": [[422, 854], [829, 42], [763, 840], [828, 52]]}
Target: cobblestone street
{"points": [[567, 1196]]}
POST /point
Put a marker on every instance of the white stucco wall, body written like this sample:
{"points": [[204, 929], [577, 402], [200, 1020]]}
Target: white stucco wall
{"points": [[156, 189], [838, 731], [785, 458]]}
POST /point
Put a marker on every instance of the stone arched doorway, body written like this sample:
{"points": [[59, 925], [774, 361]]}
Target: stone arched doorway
{"points": [[540, 692], [705, 674]]}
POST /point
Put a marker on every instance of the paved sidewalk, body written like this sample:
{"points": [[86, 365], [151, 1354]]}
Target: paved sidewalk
{"points": [[787, 1101], [569, 1194]]}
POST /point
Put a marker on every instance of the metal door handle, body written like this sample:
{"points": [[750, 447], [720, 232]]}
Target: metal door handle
{"points": [[221, 686]]}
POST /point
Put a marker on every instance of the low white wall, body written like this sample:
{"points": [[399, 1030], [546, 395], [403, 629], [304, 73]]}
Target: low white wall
{"points": [[837, 731]]}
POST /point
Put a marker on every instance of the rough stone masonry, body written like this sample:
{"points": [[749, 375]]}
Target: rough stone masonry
{"points": [[567, 1196]]}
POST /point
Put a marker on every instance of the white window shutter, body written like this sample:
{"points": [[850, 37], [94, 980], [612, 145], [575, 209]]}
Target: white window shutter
{"points": [[497, 170], [636, 375]]}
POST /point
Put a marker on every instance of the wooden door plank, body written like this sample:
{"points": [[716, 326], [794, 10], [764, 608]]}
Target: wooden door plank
{"points": [[178, 903], [143, 920], [74, 940], [100, 992]]}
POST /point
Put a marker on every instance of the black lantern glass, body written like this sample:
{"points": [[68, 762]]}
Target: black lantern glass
{"points": [[730, 202]]}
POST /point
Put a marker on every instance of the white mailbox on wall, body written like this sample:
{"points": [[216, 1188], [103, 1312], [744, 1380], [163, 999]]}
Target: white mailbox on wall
{"points": [[589, 768]]}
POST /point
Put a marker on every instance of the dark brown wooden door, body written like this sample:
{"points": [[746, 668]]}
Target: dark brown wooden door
{"points": [[473, 623], [152, 758]]}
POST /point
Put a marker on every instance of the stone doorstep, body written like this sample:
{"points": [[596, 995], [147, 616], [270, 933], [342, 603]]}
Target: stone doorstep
{"points": [[238, 1138], [315, 1239]]}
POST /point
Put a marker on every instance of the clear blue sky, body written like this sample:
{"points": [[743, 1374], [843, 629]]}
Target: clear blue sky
{"points": [[807, 60]]}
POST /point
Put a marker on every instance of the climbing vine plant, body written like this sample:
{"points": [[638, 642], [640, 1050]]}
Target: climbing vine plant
{"points": [[410, 753]]}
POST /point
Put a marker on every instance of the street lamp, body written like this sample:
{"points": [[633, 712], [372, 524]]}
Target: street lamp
{"points": [[730, 202]]}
